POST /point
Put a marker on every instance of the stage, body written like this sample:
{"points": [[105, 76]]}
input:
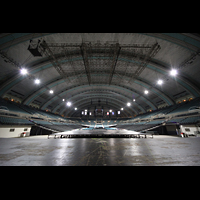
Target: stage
{"points": [[101, 133]]}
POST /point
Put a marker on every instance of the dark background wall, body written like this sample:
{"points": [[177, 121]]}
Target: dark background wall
{"points": [[35, 130]]}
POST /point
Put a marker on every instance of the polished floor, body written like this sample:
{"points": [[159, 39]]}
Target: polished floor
{"points": [[40, 151]]}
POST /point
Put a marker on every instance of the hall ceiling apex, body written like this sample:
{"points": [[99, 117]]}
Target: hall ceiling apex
{"points": [[96, 57], [127, 63]]}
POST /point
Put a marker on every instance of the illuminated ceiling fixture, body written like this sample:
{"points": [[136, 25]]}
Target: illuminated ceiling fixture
{"points": [[37, 81], [75, 108], [160, 82], [69, 103], [128, 104], [51, 91], [146, 91], [173, 72], [122, 108], [133, 99], [63, 100], [110, 110], [23, 71]]}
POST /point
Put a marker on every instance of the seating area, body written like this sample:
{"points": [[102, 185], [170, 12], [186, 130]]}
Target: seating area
{"points": [[10, 121], [11, 106], [191, 120], [62, 128], [138, 127], [139, 123], [185, 106]]}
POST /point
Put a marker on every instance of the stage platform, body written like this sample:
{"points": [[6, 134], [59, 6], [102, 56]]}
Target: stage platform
{"points": [[101, 133]]}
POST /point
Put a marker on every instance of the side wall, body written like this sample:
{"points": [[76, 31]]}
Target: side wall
{"points": [[13, 131], [190, 129]]}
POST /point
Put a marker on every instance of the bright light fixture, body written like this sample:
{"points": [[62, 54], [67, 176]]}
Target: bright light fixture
{"points": [[122, 108], [173, 72], [110, 110], [51, 91], [75, 108], [133, 99], [37, 81], [160, 82], [146, 91], [69, 103], [23, 71], [63, 100], [128, 104]]}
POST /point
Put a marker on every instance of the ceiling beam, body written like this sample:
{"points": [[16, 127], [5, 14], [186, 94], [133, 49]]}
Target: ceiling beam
{"points": [[114, 61], [124, 113], [111, 98], [154, 65], [47, 51], [144, 62], [93, 91], [85, 48]]}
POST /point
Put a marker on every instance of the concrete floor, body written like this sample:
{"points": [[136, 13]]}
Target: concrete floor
{"points": [[38, 150]]}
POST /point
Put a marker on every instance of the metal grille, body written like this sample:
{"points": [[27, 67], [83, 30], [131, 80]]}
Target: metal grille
{"points": [[99, 63]]}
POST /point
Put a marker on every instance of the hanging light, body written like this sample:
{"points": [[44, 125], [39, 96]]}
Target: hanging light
{"points": [[160, 82], [23, 71], [69, 103], [37, 81], [173, 72]]}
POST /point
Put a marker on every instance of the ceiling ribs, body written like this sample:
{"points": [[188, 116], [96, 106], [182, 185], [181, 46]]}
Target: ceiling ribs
{"points": [[146, 58], [85, 49], [114, 61], [47, 51]]}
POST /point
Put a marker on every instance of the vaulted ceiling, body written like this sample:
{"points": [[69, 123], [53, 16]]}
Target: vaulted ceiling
{"points": [[99, 69]]}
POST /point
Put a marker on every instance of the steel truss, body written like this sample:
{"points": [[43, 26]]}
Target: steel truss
{"points": [[100, 58]]}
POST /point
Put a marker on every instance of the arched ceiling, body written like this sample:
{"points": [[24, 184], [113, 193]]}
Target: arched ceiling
{"points": [[110, 68]]}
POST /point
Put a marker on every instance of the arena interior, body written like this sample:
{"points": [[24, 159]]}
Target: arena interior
{"points": [[99, 99]]}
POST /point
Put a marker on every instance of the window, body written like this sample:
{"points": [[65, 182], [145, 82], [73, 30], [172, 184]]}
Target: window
{"points": [[12, 130]]}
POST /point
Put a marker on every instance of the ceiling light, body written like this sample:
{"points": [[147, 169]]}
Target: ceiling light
{"points": [[23, 71], [160, 82], [122, 108], [128, 104], [51, 91], [37, 81], [173, 72], [133, 99], [110, 110], [146, 91], [63, 100], [75, 108], [69, 103]]}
